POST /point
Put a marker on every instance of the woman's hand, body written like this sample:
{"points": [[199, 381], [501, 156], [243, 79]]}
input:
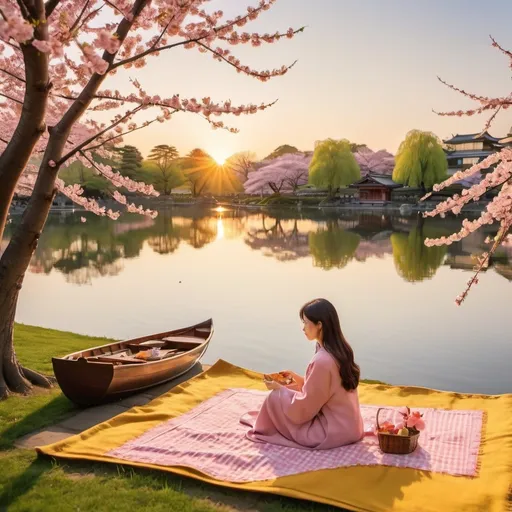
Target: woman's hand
{"points": [[272, 384], [298, 381]]}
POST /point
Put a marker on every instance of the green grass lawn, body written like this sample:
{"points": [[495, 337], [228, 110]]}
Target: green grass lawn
{"points": [[30, 483]]}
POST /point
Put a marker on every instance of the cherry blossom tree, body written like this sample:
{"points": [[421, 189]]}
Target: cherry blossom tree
{"points": [[377, 162], [499, 210], [283, 174], [55, 59]]}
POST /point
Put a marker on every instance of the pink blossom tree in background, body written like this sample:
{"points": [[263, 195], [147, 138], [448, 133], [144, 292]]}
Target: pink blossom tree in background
{"points": [[55, 59], [377, 162], [499, 210], [283, 174]]}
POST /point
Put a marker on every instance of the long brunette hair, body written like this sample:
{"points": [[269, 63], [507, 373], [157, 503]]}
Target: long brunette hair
{"points": [[321, 310]]}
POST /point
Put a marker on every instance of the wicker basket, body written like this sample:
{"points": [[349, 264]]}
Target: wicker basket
{"points": [[392, 443]]}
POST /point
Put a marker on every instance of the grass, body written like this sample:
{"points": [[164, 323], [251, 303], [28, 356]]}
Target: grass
{"points": [[30, 483]]}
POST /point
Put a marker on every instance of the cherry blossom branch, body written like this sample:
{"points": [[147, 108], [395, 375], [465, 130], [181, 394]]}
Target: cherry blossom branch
{"points": [[204, 110], [12, 75], [74, 192], [483, 262], [24, 10], [114, 7], [506, 52], [50, 6], [263, 76], [11, 98], [490, 120], [255, 38], [122, 181], [77, 21], [147, 52], [159, 38], [481, 99], [146, 124], [94, 137], [240, 21], [8, 43], [494, 158]]}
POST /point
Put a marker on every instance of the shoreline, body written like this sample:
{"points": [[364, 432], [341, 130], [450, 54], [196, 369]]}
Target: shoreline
{"points": [[391, 207]]}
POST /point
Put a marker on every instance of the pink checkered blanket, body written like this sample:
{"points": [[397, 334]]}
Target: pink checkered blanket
{"points": [[210, 439]]}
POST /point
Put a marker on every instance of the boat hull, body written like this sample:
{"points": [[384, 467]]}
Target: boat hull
{"points": [[88, 382]]}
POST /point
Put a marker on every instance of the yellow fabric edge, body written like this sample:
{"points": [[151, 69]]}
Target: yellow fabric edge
{"points": [[361, 488]]}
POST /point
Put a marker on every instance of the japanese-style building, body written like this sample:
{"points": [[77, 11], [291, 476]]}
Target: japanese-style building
{"points": [[463, 151], [374, 188]]}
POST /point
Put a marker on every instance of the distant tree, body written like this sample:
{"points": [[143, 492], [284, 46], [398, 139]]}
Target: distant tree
{"points": [[333, 165], [420, 161], [130, 161], [171, 176], [332, 247], [197, 167], [241, 164], [378, 162], [282, 150], [354, 147], [285, 173], [414, 261]]}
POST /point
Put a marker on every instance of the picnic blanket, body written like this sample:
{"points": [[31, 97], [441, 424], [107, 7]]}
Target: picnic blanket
{"points": [[465, 472], [211, 439]]}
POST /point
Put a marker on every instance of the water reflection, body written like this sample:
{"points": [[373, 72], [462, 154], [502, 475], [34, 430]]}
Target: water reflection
{"points": [[87, 251]]}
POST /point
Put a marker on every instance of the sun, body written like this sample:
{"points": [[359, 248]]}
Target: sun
{"points": [[219, 156]]}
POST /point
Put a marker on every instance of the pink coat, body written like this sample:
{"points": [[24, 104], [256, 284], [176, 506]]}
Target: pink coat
{"points": [[322, 415]]}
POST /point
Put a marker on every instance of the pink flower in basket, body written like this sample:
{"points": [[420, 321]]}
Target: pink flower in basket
{"points": [[415, 420], [412, 420]]}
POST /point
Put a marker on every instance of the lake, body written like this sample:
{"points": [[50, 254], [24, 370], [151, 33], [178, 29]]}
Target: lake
{"points": [[252, 271]]}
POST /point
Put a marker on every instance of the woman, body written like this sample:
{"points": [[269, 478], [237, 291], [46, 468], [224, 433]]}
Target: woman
{"points": [[320, 410]]}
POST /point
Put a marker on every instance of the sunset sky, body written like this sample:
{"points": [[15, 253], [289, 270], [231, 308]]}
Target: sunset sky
{"points": [[367, 71]]}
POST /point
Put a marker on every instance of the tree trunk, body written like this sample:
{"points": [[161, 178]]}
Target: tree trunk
{"points": [[13, 265], [14, 377], [31, 124]]}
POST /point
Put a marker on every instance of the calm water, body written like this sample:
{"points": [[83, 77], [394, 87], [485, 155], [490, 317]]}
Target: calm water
{"points": [[251, 272]]}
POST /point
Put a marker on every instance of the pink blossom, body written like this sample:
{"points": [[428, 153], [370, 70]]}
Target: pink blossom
{"points": [[283, 174], [42, 46], [415, 420], [107, 41]]}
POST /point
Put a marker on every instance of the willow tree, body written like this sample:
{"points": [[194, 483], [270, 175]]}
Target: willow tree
{"points": [[333, 165], [332, 247], [420, 161], [414, 261]]}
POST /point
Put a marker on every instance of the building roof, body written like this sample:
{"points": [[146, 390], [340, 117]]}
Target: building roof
{"points": [[468, 154], [471, 137], [376, 179]]}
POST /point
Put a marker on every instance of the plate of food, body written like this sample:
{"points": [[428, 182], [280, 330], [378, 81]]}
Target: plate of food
{"points": [[281, 378]]}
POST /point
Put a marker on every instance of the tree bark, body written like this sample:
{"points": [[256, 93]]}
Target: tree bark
{"points": [[13, 376], [31, 124]]}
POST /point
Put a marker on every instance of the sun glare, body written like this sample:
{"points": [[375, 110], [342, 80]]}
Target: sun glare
{"points": [[219, 156]]}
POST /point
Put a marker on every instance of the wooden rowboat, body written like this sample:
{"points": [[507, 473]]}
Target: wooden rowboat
{"points": [[110, 372]]}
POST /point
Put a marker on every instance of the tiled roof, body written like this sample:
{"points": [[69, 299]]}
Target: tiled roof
{"points": [[387, 181], [471, 137], [468, 154]]}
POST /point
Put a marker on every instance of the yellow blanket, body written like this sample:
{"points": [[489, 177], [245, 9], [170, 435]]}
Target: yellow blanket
{"points": [[364, 488]]}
